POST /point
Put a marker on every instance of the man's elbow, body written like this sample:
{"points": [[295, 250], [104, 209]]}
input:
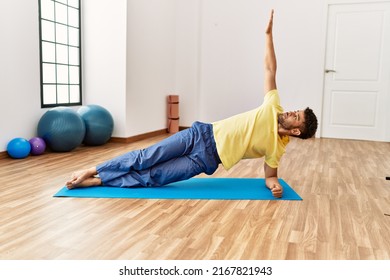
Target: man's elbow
{"points": [[270, 69]]}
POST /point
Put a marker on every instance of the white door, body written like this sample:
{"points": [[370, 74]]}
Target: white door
{"points": [[357, 74]]}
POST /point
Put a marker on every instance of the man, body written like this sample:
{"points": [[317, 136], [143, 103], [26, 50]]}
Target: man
{"points": [[262, 132]]}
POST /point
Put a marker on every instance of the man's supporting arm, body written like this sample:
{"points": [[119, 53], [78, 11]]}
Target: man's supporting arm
{"points": [[272, 182]]}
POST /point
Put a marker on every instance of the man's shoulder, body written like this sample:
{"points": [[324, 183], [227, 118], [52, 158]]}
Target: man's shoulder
{"points": [[272, 97], [271, 93]]}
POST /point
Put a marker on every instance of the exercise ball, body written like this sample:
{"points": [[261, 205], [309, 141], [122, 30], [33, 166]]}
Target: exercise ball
{"points": [[62, 129], [18, 148], [38, 146], [99, 124]]}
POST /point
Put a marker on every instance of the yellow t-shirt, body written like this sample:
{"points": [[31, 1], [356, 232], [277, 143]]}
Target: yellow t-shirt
{"points": [[252, 134]]}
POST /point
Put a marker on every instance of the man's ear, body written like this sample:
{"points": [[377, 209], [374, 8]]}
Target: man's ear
{"points": [[295, 131]]}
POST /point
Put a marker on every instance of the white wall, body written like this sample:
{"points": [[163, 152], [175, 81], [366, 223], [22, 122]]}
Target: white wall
{"points": [[188, 59], [104, 58], [128, 61], [20, 107], [232, 50], [136, 52], [150, 63], [220, 48]]}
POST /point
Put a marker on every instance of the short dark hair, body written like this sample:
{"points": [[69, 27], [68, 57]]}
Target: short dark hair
{"points": [[309, 126]]}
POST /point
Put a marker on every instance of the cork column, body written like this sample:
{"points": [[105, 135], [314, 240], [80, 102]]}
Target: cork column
{"points": [[173, 113]]}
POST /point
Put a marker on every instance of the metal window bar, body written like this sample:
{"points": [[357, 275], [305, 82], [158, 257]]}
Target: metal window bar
{"points": [[68, 5]]}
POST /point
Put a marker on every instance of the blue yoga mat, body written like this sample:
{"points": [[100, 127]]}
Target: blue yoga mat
{"points": [[194, 188]]}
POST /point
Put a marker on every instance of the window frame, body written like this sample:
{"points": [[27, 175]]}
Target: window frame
{"points": [[68, 85]]}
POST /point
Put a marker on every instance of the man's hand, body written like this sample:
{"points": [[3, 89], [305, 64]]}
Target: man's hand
{"points": [[271, 181], [277, 190], [270, 23]]}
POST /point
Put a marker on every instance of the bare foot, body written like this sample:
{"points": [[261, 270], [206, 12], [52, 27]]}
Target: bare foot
{"points": [[89, 182], [79, 177]]}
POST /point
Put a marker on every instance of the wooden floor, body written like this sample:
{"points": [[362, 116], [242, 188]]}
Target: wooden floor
{"points": [[342, 215]]}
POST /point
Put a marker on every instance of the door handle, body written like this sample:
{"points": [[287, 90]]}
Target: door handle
{"points": [[330, 71]]}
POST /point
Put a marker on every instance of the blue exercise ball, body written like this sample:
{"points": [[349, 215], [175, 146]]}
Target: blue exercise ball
{"points": [[62, 129], [18, 148], [99, 124]]}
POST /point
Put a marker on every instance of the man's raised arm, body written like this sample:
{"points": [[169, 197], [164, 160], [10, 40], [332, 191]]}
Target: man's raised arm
{"points": [[269, 58]]}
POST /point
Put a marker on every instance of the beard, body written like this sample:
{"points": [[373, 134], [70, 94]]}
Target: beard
{"points": [[280, 118], [282, 122]]}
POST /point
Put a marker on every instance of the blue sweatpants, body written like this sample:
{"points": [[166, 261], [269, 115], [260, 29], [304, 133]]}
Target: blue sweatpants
{"points": [[179, 157]]}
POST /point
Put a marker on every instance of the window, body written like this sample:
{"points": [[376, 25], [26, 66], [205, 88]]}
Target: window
{"points": [[60, 52]]}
